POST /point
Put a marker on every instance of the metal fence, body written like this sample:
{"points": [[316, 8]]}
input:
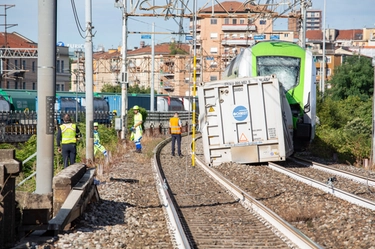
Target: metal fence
{"points": [[18, 126]]}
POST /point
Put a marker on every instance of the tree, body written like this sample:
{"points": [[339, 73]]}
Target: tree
{"points": [[354, 77], [174, 49], [108, 88]]}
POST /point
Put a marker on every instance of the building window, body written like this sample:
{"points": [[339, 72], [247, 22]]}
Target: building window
{"points": [[24, 65], [15, 85], [58, 66], [57, 87], [234, 21], [62, 87], [226, 21], [33, 66], [242, 21], [213, 21], [24, 85], [213, 50], [62, 66], [34, 86], [213, 77], [263, 22], [213, 64], [16, 64], [328, 59], [286, 35], [8, 84], [328, 72], [213, 35]]}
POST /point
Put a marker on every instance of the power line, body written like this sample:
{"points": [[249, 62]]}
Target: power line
{"points": [[76, 19]]}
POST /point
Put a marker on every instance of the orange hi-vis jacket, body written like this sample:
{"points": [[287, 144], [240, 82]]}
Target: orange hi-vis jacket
{"points": [[174, 124]]}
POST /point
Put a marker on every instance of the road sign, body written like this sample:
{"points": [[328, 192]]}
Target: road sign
{"points": [[188, 37], [145, 36], [209, 58], [259, 37], [275, 37]]}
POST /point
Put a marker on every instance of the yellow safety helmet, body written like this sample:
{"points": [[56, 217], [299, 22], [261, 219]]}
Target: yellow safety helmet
{"points": [[136, 107], [96, 124], [114, 111]]}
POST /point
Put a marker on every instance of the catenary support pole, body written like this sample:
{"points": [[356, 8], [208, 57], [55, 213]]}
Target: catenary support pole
{"points": [[124, 76], [89, 85], [194, 81], [46, 94], [152, 68], [323, 76], [373, 119]]}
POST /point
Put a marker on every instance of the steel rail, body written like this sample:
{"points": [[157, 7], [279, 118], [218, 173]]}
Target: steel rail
{"points": [[284, 229], [325, 187], [338, 172], [176, 230]]}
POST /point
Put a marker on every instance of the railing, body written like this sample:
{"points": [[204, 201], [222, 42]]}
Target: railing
{"points": [[17, 126]]}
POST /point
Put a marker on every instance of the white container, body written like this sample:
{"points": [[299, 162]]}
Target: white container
{"points": [[245, 120]]}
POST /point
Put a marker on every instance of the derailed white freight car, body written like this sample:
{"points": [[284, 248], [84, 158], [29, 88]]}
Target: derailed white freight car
{"points": [[245, 120]]}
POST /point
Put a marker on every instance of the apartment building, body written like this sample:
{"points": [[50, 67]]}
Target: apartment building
{"points": [[313, 20], [19, 63], [172, 69], [338, 45], [226, 28], [169, 70]]}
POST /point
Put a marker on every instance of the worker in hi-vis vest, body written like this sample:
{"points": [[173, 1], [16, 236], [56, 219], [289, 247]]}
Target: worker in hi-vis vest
{"points": [[97, 144], [137, 129], [66, 140], [175, 127]]}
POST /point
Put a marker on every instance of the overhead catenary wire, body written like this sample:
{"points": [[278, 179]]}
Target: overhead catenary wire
{"points": [[76, 19]]}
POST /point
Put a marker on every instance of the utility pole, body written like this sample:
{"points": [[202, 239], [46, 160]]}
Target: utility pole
{"points": [[373, 118], [323, 76], [78, 53], [124, 75], [46, 94], [89, 85], [152, 68]]}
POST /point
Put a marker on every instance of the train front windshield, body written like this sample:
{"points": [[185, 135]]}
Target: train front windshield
{"points": [[285, 68]]}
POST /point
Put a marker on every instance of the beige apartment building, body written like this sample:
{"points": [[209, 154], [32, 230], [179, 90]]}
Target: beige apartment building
{"points": [[224, 29], [170, 74]]}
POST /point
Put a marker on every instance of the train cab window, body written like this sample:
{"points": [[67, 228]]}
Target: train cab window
{"points": [[285, 68]]}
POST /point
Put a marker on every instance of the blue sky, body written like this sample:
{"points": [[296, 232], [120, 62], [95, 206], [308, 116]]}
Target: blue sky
{"points": [[107, 20]]}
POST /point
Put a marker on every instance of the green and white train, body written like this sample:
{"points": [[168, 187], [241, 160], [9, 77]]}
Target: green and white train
{"points": [[295, 69]]}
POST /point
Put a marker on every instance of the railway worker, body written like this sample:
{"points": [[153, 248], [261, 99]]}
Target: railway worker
{"points": [[97, 145], [175, 129], [66, 139], [114, 116], [137, 129]]}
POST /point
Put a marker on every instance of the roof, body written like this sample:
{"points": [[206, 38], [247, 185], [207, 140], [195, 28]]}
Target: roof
{"points": [[314, 35], [234, 7], [15, 40], [106, 55], [350, 34], [160, 49]]}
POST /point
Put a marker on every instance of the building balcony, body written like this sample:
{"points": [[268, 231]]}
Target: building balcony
{"points": [[237, 41], [238, 27], [198, 27]]}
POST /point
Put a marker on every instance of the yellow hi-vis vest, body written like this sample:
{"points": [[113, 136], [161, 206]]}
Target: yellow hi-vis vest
{"points": [[68, 133], [175, 128]]}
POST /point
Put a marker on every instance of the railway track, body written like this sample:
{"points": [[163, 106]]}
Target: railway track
{"points": [[329, 220], [209, 216]]}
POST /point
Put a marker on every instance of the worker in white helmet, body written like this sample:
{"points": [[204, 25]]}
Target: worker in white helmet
{"points": [[97, 145]]}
